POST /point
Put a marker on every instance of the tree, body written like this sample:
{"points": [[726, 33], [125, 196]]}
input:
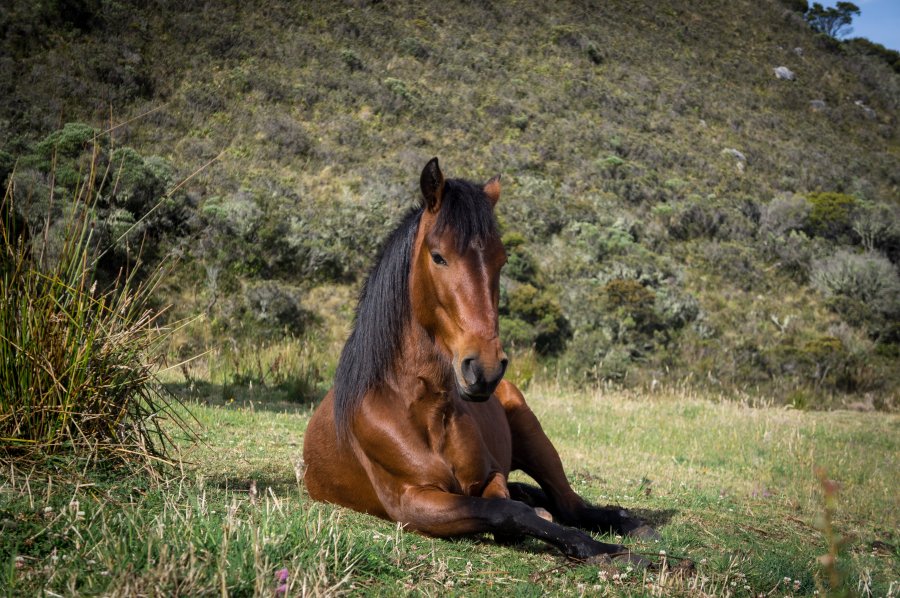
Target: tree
{"points": [[833, 21]]}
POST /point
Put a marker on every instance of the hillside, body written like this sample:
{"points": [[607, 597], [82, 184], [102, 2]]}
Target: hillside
{"points": [[675, 212]]}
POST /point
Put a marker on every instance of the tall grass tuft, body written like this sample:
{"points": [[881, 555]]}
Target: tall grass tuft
{"points": [[77, 362]]}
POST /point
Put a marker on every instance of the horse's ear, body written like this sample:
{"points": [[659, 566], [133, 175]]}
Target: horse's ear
{"points": [[492, 189], [432, 183]]}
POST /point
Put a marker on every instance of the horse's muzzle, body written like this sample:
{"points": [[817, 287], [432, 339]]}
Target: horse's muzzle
{"points": [[477, 383]]}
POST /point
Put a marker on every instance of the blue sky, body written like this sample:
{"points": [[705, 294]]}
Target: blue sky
{"points": [[879, 21]]}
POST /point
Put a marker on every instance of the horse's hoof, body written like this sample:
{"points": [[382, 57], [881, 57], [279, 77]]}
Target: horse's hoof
{"points": [[599, 559], [645, 533]]}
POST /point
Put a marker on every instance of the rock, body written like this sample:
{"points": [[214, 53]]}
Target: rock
{"points": [[817, 105], [730, 151], [783, 72], [870, 114], [798, 51]]}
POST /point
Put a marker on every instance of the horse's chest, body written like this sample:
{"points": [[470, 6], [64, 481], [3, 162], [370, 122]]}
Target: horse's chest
{"points": [[475, 453]]}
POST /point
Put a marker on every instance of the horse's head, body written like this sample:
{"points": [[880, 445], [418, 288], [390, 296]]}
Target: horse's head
{"points": [[455, 278]]}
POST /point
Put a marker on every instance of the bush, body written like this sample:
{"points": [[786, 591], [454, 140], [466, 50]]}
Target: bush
{"points": [[125, 194], [863, 288], [867, 47], [711, 218], [878, 227], [785, 214], [831, 215], [534, 319], [270, 307], [520, 265], [530, 315]]}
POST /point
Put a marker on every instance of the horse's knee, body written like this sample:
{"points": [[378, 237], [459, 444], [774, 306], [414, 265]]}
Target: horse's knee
{"points": [[510, 397]]}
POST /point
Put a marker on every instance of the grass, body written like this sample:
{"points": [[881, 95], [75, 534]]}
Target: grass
{"points": [[730, 486]]}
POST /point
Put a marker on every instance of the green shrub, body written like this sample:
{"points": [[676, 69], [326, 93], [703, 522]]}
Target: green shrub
{"points": [[711, 218], [520, 265], [351, 60], [630, 296], [270, 308], [831, 215], [531, 317], [137, 184], [534, 319], [861, 45]]}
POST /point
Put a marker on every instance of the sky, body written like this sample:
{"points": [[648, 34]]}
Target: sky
{"points": [[879, 21]]}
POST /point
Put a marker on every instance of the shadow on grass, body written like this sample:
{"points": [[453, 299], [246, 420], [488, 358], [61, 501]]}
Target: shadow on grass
{"points": [[291, 396]]}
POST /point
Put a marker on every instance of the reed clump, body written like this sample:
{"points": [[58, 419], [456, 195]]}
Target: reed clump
{"points": [[78, 355]]}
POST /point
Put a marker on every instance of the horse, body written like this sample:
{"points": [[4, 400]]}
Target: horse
{"points": [[420, 427]]}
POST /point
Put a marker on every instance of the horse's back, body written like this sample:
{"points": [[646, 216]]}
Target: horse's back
{"points": [[333, 472]]}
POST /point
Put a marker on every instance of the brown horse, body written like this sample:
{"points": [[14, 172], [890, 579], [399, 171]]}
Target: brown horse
{"points": [[419, 427]]}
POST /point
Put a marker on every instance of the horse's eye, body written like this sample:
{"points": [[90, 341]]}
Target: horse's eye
{"points": [[438, 258]]}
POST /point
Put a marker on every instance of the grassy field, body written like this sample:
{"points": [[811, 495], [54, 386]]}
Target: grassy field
{"points": [[730, 486]]}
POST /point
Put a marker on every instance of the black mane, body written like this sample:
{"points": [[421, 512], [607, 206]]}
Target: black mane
{"points": [[385, 304]]}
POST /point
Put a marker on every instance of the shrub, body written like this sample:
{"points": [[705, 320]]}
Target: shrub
{"points": [[862, 45], [794, 253], [785, 214], [272, 307], [531, 317], [710, 218], [138, 184], [878, 227], [831, 215], [520, 265], [284, 137], [864, 288], [540, 311]]}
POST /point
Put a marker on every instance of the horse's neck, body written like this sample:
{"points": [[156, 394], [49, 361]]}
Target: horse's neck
{"points": [[420, 364]]}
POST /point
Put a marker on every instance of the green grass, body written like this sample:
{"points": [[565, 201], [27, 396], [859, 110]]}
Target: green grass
{"points": [[730, 486]]}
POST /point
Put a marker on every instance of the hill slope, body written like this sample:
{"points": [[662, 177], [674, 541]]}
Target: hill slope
{"points": [[658, 177]]}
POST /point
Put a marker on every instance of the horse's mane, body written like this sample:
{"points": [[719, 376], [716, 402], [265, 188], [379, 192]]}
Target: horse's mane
{"points": [[384, 306]]}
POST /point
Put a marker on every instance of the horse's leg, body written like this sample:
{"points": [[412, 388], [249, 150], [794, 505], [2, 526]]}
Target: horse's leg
{"points": [[534, 454], [532, 496], [333, 472], [439, 513]]}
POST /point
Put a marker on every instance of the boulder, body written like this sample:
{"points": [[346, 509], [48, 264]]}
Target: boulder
{"points": [[783, 72]]}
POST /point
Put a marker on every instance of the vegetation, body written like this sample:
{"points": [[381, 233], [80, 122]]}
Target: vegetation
{"points": [[669, 206], [76, 359], [731, 487], [833, 21], [715, 247]]}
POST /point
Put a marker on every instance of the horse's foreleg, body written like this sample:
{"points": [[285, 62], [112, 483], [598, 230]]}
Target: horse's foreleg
{"points": [[534, 454], [439, 513]]}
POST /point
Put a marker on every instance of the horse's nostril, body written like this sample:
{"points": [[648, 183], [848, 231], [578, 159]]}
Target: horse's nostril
{"points": [[469, 370]]}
